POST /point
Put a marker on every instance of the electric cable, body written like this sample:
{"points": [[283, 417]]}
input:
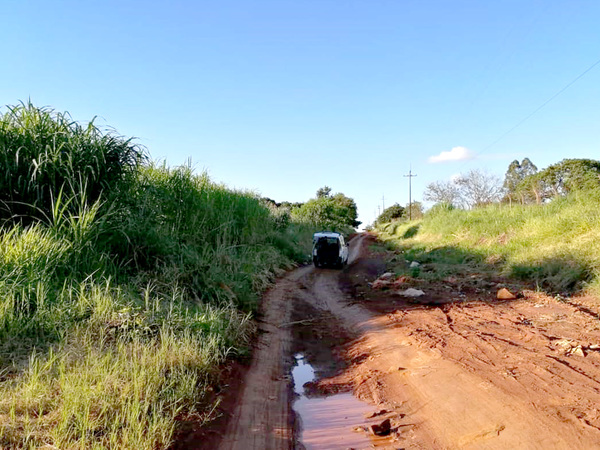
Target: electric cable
{"points": [[518, 124]]}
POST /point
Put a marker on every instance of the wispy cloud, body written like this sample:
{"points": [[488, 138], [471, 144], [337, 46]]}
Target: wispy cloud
{"points": [[456, 154]]}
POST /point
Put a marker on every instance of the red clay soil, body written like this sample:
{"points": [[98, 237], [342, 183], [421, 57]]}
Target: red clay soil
{"points": [[454, 371]]}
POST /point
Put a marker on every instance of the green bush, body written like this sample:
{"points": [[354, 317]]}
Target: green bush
{"points": [[391, 213], [328, 212]]}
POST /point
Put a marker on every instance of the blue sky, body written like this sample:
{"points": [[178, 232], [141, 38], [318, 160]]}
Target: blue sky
{"points": [[283, 97]]}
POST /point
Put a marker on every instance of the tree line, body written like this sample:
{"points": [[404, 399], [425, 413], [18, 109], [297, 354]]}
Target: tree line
{"points": [[523, 183]]}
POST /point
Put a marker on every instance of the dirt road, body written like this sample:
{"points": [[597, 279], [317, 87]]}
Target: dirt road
{"points": [[472, 373]]}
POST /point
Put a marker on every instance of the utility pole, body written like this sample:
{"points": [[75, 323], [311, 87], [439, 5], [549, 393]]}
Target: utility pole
{"points": [[383, 202], [410, 177]]}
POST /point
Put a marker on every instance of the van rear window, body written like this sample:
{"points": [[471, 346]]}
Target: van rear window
{"points": [[328, 240]]}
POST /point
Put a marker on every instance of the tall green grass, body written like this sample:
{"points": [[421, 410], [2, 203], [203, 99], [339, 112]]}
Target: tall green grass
{"points": [[121, 378], [223, 245], [124, 285], [43, 152], [556, 245]]}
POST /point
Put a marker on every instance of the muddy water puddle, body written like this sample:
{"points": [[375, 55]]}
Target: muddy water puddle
{"points": [[329, 422]]}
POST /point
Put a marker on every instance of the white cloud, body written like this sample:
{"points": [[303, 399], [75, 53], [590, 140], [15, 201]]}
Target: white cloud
{"points": [[456, 154]]}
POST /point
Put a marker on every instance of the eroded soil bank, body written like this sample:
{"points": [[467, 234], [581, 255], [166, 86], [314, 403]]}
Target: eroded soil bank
{"points": [[457, 369]]}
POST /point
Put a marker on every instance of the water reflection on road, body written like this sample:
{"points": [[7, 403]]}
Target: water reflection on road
{"points": [[328, 422]]}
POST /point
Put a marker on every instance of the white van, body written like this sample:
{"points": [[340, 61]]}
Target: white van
{"points": [[329, 249]]}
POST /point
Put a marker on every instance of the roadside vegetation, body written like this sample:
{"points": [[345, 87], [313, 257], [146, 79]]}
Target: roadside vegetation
{"points": [[326, 211], [542, 227], [124, 285]]}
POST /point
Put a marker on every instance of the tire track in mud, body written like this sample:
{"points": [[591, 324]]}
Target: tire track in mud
{"points": [[263, 418], [449, 405], [457, 376]]}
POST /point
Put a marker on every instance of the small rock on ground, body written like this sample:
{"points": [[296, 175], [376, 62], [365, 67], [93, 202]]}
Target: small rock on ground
{"points": [[382, 429], [411, 292], [505, 294]]}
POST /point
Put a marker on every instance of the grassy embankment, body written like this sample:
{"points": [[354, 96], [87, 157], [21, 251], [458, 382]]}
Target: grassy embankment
{"points": [[555, 246], [123, 285]]}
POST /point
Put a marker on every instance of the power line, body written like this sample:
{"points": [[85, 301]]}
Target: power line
{"points": [[493, 70], [571, 83]]}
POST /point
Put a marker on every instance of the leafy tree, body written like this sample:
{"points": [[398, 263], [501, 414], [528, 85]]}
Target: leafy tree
{"points": [[291, 205], [324, 192], [571, 175], [322, 212], [515, 174], [391, 213], [533, 188], [270, 202], [351, 209], [527, 167], [511, 180], [562, 178], [336, 212]]}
